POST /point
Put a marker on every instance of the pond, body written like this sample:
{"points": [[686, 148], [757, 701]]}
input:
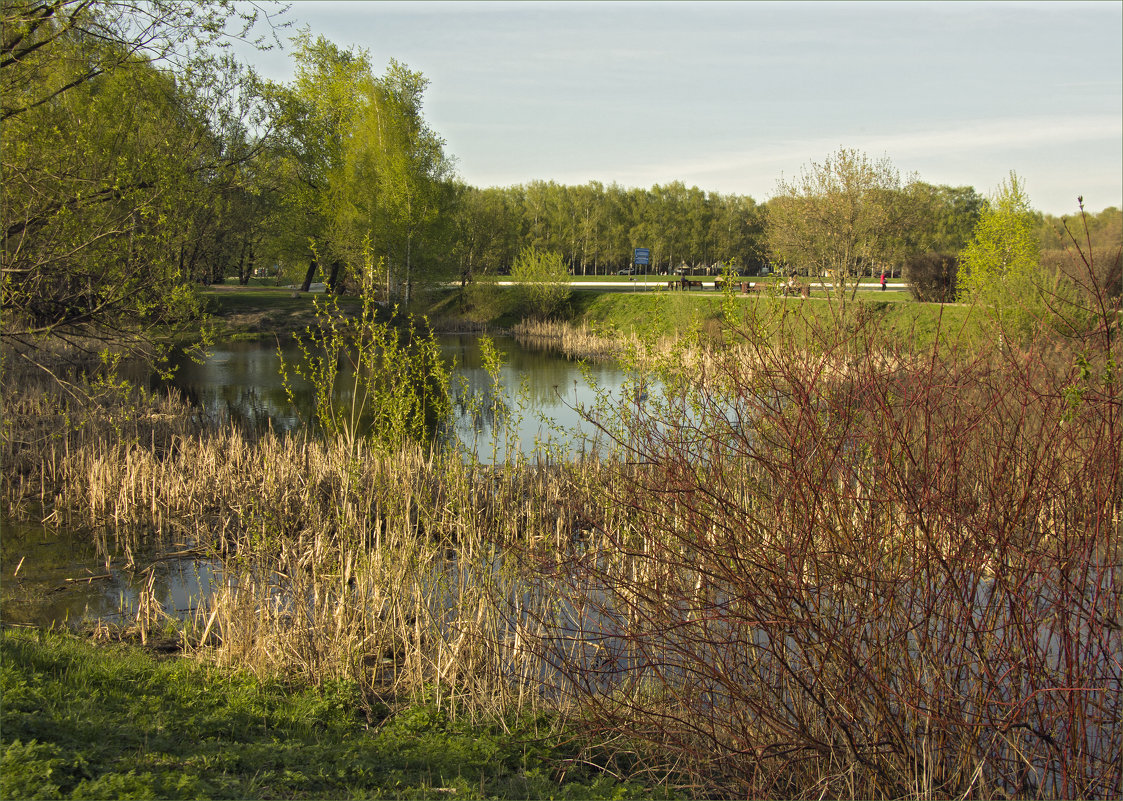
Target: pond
{"points": [[62, 577], [542, 388]]}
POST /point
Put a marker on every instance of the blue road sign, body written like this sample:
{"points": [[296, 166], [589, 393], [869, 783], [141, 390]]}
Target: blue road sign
{"points": [[643, 255]]}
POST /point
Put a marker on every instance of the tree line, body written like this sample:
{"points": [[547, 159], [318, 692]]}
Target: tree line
{"points": [[141, 160]]}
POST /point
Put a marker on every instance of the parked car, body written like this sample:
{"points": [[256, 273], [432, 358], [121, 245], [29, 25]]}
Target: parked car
{"points": [[627, 271]]}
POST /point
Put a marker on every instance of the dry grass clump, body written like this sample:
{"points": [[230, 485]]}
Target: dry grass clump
{"points": [[581, 340], [46, 423]]}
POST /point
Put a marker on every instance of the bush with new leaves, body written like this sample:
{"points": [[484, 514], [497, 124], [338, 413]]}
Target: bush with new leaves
{"points": [[543, 281]]}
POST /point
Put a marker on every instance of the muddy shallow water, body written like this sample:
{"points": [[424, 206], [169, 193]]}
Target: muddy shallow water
{"points": [[64, 578]]}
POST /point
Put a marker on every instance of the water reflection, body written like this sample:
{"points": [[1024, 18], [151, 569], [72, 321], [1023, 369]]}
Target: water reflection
{"points": [[537, 402], [241, 383], [540, 389], [62, 577]]}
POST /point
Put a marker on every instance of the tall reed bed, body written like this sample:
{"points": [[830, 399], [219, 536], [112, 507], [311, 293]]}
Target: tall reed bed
{"points": [[340, 559], [580, 339]]}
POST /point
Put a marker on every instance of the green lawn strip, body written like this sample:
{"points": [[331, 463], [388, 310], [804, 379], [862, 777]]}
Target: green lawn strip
{"points": [[87, 721], [670, 314], [650, 313]]}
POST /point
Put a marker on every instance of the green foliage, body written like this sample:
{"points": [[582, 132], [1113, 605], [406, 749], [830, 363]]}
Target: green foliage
{"points": [[844, 217], [483, 301], [1102, 231], [596, 227], [485, 231], [355, 165], [125, 158], [371, 379], [83, 721], [543, 280], [1000, 268], [945, 217]]}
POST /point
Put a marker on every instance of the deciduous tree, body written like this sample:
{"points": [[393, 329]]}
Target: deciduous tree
{"points": [[109, 150], [841, 216], [544, 280], [1000, 268]]}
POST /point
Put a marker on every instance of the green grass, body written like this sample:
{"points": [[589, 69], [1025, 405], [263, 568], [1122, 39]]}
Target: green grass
{"points": [[263, 312], [665, 313], [243, 300], [111, 721]]}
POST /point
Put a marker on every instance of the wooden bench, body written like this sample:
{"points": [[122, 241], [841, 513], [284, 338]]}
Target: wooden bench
{"points": [[803, 290]]}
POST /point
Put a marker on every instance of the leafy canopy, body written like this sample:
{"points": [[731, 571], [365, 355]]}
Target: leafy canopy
{"points": [[1000, 267], [844, 217], [543, 279]]}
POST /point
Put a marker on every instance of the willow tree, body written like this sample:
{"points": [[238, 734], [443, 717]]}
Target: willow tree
{"points": [[105, 147], [313, 119], [360, 168], [417, 169], [842, 217]]}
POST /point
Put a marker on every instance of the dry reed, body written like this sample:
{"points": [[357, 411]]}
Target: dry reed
{"points": [[386, 567]]}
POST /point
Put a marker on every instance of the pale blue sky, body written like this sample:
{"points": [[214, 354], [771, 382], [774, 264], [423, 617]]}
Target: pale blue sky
{"points": [[729, 96]]}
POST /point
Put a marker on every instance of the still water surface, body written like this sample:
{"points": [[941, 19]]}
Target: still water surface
{"points": [[542, 388]]}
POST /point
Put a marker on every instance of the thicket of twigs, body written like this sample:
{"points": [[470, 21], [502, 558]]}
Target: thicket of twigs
{"points": [[851, 570]]}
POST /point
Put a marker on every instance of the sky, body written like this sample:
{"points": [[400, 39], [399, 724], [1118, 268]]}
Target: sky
{"points": [[734, 96]]}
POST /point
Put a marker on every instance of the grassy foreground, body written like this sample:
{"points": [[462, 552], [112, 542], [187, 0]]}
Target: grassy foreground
{"points": [[112, 721]]}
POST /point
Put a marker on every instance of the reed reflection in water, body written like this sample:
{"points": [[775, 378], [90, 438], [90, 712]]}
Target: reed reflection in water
{"points": [[539, 393]]}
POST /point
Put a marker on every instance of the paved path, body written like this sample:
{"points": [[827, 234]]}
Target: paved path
{"points": [[706, 286]]}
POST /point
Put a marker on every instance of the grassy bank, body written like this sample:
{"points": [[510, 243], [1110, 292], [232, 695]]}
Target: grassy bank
{"points": [[240, 312], [254, 312], [112, 721], [655, 315]]}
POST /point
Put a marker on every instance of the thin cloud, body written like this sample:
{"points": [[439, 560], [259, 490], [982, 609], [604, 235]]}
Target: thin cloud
{"points": [[966, 139]]}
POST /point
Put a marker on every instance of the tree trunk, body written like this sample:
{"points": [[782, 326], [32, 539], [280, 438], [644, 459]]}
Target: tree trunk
{"points": [[409, 277], [243, 272], [308, 276], [251, 260], [191, 264], [333, 286]]}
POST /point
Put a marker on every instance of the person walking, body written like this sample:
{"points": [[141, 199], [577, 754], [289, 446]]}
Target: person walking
{"points": [[883, 280]]}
